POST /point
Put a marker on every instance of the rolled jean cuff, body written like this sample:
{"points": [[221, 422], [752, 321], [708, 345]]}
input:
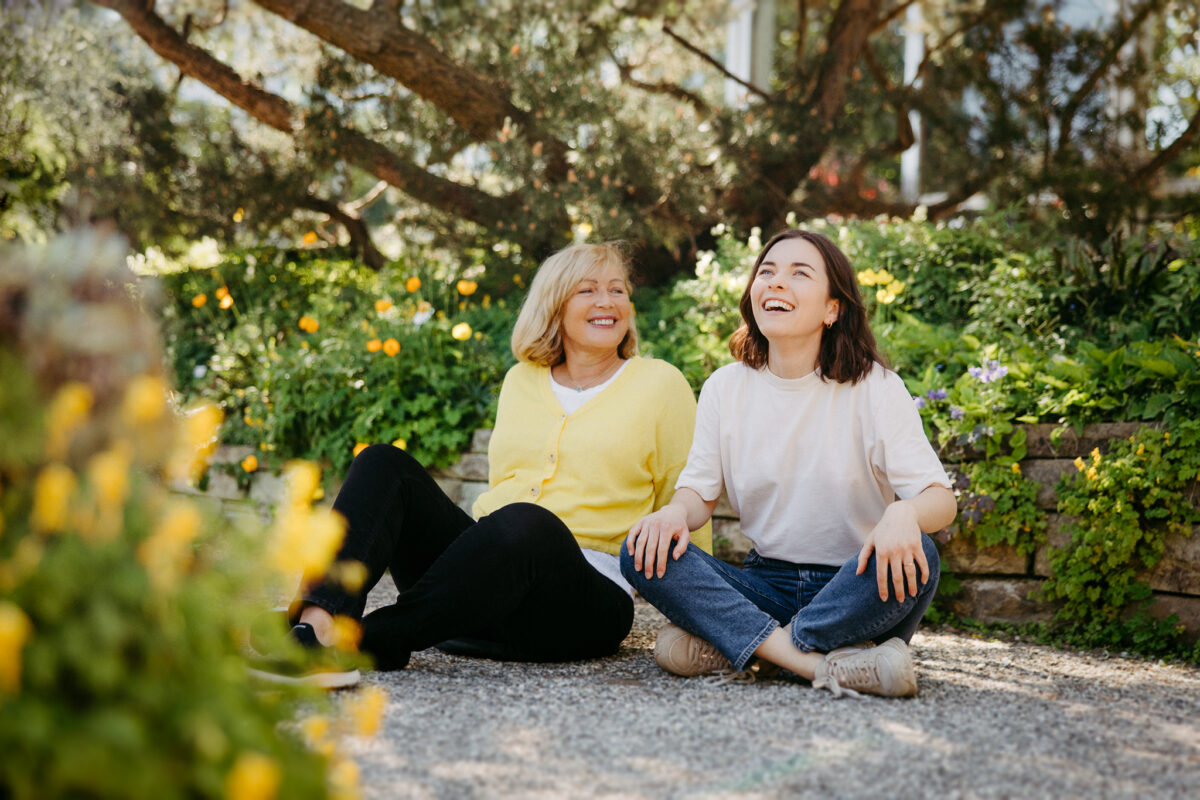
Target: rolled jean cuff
{"points": [[748, 653]]}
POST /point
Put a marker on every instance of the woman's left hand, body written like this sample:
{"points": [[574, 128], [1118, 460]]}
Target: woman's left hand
{"points": [[896, 542]]}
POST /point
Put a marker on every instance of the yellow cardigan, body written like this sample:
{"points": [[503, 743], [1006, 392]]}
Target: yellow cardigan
{"points": [[602, 468]]}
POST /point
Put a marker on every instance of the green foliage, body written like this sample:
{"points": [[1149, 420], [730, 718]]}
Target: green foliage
{"points": [[1123, 505], [318, 393], [1000, 506]]}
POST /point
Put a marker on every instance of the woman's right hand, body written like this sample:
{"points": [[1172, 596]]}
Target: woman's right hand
{"points": [[649, 540]]}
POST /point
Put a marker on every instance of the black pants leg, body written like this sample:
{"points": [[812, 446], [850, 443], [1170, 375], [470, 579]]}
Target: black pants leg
{"points": [[517, 576]]}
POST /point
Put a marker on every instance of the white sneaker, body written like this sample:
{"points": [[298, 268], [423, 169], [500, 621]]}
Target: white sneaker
{"points": [[682, 653], [886, 670]]}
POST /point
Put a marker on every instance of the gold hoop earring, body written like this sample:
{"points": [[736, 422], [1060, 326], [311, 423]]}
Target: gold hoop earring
{"points": [[829, 324]]}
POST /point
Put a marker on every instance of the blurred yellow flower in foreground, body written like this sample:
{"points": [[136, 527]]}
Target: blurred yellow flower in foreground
{"points": [[66, 415], [1078, 462], [382, 305], [226, 301], [1016, 468], [412, 284], [374, 346], [197, 444], [145, 400], [222, 292], [308, 324], [359, 447], [165, 552], [52, 497], [15, 629], [315, 729], [391, 347], [302, 478], [250, 463], [884, 296], [401, 443], [347, 633], [343, 780], [239, 215], [461, 331], [253, 777], [310, 238], [108, 473], [466, 288], [199, 300], [306, 541], [366, 710]]}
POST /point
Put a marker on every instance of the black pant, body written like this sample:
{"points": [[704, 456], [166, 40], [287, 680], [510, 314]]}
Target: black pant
{"points": [[516, 577]]}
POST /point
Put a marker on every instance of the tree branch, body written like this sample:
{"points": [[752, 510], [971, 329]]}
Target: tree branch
{"points": [[662, 87], [378, 37], [1125, 31], [890, 15], [367, 154], [1148, 170], [848, 33], [360, 235], [691, 48]]}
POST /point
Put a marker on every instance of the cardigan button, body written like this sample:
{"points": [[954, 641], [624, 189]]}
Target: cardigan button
{"points": [[552, 458], [533, 491]]}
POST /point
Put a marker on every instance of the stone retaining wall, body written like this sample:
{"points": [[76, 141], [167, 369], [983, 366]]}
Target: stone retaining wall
{"points": [[996, 581]]}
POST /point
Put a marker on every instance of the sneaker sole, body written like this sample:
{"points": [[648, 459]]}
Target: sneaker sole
{"points": [[319, 680]]}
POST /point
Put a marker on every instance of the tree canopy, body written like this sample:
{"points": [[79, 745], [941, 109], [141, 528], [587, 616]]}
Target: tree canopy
{"points": [[521, 122]]}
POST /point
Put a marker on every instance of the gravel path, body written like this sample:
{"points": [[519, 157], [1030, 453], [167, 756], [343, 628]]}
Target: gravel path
{"points": [[993, 719]]}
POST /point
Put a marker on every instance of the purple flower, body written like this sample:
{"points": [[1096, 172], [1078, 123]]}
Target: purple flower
{"points": [[937, 394], [920, 401], [992, 371], [976, 373], [956, 413]]}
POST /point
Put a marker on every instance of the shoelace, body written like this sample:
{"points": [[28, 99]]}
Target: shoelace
{"points": [[708, 656], [860, 672], [730, 676]]}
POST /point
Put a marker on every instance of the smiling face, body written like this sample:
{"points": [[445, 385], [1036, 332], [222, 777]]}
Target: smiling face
{"points": [[596, 315], [790, 292]]}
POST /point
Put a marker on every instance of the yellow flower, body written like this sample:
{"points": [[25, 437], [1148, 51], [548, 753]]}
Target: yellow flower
{"points": [[347, 633], [51, 498], [883, 277], [466, 288], [1141, 449], [226, 301], [1167, 435], [315, 729], [145, 400], [884, 296], [199, 300], [108, 473], [412, 284], [1016, 468], [1092, 474], [359, 447], [1078, 462], [391, 347], [382, 305], [401, 443], [350, 574], [165, 552], [198, 442], [306, 541], [895, 287], [867, 277], [461, 331], [366, 710], [374, 346], [66, 415], [15, 629], [308, 325], [302, 479], [309, 238], [250, 463], [239, 215], [222, 292], [253, 777], [1095, 455], [343, 780]]}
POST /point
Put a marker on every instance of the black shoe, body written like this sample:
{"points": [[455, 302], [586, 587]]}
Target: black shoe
{"points": [[322, 667]]}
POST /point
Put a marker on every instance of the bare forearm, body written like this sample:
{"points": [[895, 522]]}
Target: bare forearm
{"points": [[933, 509], [697, 510]]}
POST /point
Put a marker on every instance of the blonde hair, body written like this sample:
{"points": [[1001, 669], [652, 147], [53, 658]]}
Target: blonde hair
{"points": [[537, 336]]}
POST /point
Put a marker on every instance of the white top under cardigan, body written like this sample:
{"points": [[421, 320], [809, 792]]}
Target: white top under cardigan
{"points": [[808, 464]]}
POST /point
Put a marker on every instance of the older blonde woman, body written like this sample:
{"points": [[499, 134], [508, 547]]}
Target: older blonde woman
{"points": [[589, 438]]}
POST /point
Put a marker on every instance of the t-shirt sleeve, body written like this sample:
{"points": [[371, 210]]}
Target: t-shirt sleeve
{"points": [[703, 471], [902, 452]]}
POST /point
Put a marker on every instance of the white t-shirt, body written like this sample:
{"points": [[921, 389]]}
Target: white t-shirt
{"points": [[808, 464]]}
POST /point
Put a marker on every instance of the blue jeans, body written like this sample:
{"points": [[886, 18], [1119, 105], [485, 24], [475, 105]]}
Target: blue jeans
{"points": [[736, 609]]}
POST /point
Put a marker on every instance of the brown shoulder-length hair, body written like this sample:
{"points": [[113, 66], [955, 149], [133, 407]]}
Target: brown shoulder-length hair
{"points": [[848, 351]]}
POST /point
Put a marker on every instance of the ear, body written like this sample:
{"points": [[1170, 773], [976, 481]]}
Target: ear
{"points": [[833, 310]]}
